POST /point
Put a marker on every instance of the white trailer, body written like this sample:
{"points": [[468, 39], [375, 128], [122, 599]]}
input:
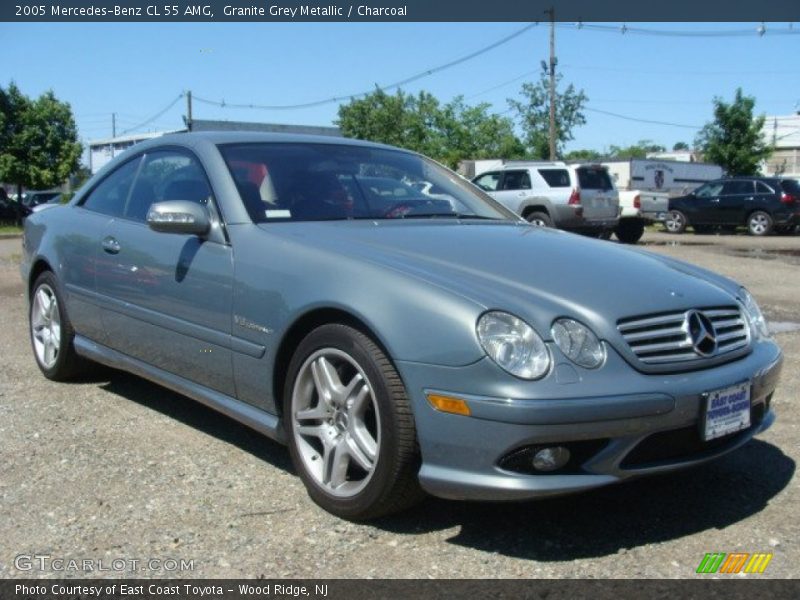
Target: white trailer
{"points": [[655, 175]]}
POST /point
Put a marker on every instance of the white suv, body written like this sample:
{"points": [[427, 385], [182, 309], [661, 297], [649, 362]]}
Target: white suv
{"points": [[577, 197]]}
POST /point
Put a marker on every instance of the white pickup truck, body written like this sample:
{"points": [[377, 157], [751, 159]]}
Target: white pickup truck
{"points": [[639, 208]]}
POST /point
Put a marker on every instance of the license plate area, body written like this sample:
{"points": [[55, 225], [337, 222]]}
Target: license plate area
{"points": [[726, 411]]}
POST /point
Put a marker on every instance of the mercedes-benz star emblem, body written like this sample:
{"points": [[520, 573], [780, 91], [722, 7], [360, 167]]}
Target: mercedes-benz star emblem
{"points": [[701, 333]]}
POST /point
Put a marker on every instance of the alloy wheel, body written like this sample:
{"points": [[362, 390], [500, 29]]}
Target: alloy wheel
{"points": [[335, 422], [46, 326]]}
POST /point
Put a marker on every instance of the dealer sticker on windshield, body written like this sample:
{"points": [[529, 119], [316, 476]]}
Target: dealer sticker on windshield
{"points": [[727, 411]]}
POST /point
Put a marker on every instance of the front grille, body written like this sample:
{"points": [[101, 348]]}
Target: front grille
{"points": [[665, 338], [681, 445]]}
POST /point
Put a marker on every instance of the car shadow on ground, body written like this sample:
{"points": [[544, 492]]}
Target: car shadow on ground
{"points": [[195, 415], [592, 524], [615, 518]]}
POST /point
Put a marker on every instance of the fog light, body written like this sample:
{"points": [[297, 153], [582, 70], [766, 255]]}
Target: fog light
{"points": [[550, 459]]}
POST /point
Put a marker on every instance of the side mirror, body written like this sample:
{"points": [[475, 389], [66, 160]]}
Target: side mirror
{"points": [[179, 216]]}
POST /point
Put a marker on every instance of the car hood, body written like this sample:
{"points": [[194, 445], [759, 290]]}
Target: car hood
{"points": [[536, 273]]}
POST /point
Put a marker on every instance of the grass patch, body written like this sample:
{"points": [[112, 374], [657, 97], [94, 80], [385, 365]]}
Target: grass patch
{"points": [[7, 228]]}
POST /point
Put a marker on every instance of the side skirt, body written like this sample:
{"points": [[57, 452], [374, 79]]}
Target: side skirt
{"points": [[263, 422]]}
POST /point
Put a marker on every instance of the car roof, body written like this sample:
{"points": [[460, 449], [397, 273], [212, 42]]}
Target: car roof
{"points": [[203, 138]]}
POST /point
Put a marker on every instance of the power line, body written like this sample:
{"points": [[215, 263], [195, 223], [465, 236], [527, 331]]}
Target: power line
{"points": [[760, 30], [155, 116], [391, 86], [500, 85], [638, 120]]}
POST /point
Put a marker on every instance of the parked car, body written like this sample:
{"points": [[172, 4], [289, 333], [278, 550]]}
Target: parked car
{"points": [[580, 198], [639, 208], [11, 211], [762, 204], [33, 198], [398, 348], [54, 201]]}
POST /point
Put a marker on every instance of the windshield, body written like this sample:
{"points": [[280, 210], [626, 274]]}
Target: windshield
{"points": [[319, 182]]}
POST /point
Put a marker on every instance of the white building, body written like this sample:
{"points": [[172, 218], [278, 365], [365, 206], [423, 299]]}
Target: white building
{"points": [[102, 151], [784, 134]]}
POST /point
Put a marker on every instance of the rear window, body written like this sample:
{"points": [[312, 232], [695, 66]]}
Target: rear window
{"points": [[594, 178], [555, 178], [791, 186]]}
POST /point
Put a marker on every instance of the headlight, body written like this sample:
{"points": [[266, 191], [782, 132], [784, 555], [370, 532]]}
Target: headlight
{"points": [[578, 343], [754, 314], [513, 344]]}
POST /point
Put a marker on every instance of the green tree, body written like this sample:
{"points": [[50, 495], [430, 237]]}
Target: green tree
{"points": [[449, 133], [680, 146], [584, 154], [38, 140], [734, 138], [533, 111], [638, 150]]}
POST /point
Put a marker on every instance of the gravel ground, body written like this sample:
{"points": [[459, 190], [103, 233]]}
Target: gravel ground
{"points": [[118, 468]]}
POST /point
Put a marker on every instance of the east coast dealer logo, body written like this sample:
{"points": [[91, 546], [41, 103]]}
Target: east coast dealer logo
{"points": [[736, 562]]}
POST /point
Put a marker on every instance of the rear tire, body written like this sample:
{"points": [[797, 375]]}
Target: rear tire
{"points": [[351, 431], [540, 219], [51, 332], [676, 222], [630, 231], [759, 223]]}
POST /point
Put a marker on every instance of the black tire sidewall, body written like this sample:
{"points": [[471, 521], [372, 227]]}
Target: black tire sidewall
{"points": [[544, 217], [351, 341], [57, 371]]}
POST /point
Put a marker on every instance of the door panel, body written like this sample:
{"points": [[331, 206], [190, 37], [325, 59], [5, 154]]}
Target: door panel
{"points": [[734, 202], [168, 301]]}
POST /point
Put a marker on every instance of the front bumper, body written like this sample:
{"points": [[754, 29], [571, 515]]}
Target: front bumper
{"points": [[461, 455]]}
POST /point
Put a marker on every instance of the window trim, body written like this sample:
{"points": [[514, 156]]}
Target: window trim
{"points": [[86, 196], [213, 206]]}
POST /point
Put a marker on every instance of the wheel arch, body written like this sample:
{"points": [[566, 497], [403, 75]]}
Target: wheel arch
{"points": [[300, 328], [40, 265], [537, 204]]}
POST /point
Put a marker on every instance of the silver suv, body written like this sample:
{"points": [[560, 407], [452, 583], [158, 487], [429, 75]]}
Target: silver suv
{"points": [[577, 197]]}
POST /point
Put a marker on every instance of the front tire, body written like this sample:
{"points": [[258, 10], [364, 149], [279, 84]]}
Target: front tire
{"points": [[759, 223], [51, 331], [350, 427], [540, 219], [676, 222]]}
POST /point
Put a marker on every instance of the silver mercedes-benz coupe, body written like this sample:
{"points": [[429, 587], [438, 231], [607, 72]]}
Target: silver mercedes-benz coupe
{"points": [[399, 330]]}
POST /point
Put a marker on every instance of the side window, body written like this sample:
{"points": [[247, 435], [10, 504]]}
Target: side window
{"points": [[488, 181], [555, 178], [109, 197], [737, 187], [708, 190], [167, 175], [763, 188], [516, 180]]}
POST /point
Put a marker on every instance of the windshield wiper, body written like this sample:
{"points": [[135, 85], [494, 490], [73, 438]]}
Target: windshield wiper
{"points": [[446, 215]]}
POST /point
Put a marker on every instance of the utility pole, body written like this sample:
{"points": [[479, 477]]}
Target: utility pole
{"points": [[552, 13], [113, 125], [189, 110]]}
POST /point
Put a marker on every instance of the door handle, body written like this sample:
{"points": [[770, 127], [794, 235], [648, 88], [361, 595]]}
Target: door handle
{"points": [[749, 199], [715, 199], [111, 245]]}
